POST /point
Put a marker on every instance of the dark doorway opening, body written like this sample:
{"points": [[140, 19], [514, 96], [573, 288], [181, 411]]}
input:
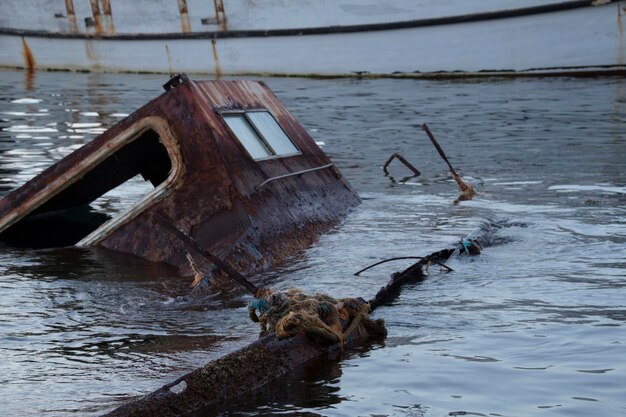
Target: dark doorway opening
{"points": [[71, 215]]}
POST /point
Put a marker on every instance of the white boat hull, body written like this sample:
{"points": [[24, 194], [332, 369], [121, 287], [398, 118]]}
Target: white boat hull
{"points": [[585, 39]]}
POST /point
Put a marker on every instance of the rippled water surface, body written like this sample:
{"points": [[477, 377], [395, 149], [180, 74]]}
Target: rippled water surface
{"points": [[536, 325]]}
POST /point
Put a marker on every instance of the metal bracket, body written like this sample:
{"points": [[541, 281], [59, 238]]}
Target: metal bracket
{"points": [[175, 81], [291, 174], [404, 161]]}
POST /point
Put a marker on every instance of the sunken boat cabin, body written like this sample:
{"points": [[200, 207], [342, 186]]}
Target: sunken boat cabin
{"points": [[227, 165]]}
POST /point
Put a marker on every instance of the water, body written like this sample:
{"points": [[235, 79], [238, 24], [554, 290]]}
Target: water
{"points": [[536, 325]]}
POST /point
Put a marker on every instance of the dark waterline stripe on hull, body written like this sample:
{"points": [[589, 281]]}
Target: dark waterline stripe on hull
{"points": [[575, 72], [328, 30]]}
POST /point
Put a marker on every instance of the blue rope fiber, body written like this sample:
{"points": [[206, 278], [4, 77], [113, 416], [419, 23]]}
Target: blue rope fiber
{"points": [[260, 304]]}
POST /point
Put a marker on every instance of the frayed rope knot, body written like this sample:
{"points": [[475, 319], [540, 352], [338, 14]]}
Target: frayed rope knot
{"points": [[319, 316]]}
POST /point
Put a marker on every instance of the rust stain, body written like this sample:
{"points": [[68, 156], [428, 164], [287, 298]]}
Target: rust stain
{"points": [[218, 68], [220, 15], [29, 58], [89, 50], [108, 16], [97, 17], [71, 15], [29, 80], [69, 7], [73, 23], [169, 60], [106, 7], [620, 42], [620, 28], [185, 22]]}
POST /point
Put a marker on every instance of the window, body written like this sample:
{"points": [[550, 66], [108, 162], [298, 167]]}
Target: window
{"points": [[246, 134], [259, 133]]}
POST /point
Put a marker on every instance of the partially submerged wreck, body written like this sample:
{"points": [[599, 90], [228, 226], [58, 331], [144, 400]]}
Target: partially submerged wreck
{"points": [[272, 356], [236, 178], [229, 165]]}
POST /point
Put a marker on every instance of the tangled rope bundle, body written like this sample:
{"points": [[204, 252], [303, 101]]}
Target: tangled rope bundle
{"points": [[319, 316]]}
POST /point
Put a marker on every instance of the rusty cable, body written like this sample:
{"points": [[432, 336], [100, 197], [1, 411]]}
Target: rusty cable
{"points": [[415, 273], [424, 258]]}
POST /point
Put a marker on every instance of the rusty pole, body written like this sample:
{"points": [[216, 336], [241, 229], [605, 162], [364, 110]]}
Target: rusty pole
{"points": [[167, 224], [441, 152], [467, 190]]}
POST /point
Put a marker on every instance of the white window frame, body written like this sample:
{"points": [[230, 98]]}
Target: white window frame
{"points": [[266, 142]]}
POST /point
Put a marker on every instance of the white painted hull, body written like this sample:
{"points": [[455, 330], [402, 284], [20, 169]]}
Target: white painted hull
{"points": [[586, 39]]}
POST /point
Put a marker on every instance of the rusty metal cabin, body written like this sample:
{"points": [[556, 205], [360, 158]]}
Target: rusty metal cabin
{"points": [[229, 164]]}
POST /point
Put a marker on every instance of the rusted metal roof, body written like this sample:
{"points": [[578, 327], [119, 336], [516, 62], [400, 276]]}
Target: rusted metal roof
{"points": [[251, 213]]}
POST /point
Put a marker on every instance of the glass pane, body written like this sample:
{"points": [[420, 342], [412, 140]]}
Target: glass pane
{"points": [[272, 133], [247, 136]]}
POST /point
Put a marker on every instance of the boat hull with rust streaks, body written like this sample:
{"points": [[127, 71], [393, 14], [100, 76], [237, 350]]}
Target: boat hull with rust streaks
{"points": [[237, 37], [252, 212]]}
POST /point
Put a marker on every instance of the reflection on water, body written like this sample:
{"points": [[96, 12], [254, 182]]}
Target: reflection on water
{"points": [[535, 325]]}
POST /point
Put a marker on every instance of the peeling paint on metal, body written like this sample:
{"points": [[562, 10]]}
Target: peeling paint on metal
{"points": [[218, 68], [185, 22], [29, 58]]}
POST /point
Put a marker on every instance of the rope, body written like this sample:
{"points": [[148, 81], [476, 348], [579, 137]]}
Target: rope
{"points": [[319, 316]]}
